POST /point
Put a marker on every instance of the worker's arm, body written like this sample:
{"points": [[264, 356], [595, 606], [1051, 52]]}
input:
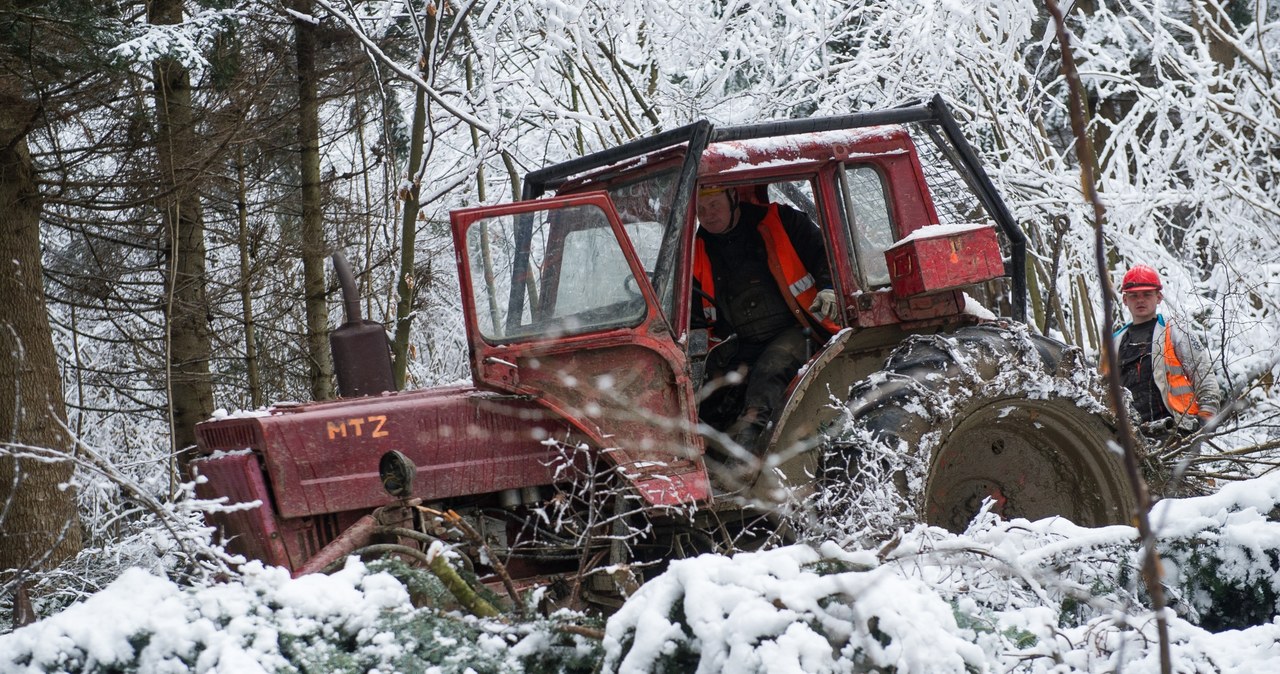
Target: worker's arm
{"points": [[1199, 368], [807, 239]]}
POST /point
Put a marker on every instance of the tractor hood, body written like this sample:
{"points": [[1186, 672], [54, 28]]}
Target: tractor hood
{"points": [[323, 457]]}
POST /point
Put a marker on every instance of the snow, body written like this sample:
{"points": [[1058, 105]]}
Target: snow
{"points": [[185, 42], [1009, 596], [222, 413], [744, 150], [157, 626], [973, 307]]}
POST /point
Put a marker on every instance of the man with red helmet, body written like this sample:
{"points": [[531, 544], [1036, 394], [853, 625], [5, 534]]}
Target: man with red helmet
{"points": [[1167, 371]]}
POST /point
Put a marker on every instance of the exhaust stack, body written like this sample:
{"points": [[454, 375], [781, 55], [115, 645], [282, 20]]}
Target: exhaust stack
{"points": [[361, 351]]}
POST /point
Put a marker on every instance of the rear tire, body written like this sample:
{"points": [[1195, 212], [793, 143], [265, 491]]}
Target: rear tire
{"points": [[986, 411]]}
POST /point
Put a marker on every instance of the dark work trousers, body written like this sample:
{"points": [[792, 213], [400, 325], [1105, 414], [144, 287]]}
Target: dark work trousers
{"points": [[770, 366]]}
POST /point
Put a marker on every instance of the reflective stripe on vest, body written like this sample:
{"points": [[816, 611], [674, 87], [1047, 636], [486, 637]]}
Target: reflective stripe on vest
{"points": [[802, 285], [1182, 393], [702, 274], [796, 283]]}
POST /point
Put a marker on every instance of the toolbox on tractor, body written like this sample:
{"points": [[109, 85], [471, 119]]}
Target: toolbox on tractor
{"points": [[943, 257]]}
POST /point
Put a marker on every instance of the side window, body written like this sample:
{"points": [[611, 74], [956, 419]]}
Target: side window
{"points": [[797, 194], [866, 218], [644, 206], [593, 283]]}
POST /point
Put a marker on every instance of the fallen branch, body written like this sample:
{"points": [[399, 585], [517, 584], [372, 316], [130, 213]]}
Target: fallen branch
{"points": [[435, 560]]}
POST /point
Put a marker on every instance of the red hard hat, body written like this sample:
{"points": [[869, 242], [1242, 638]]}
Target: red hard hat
{"points": [[1141, 277]]}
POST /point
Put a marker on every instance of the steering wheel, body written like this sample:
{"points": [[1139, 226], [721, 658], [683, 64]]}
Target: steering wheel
{"points": [[722, 316]]}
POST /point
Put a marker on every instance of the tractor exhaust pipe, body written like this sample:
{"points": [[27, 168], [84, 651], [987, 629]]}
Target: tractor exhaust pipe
{"points": [[361, 351]]}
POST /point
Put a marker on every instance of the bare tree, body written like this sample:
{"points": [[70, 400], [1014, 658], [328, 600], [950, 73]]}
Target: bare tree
{"points": [[314, 247], [187, 308], [38, 523]]}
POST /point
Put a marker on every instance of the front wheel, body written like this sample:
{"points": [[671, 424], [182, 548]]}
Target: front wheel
{"points": [[987, 412]]}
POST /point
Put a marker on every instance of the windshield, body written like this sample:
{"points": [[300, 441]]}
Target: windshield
{"points": [[553, 273]]}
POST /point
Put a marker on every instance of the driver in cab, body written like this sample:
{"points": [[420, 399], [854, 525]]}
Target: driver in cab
{"points": [[766, 291]]}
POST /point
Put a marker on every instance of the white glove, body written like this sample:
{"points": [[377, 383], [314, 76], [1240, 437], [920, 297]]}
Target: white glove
{"points": [[824, 305]]}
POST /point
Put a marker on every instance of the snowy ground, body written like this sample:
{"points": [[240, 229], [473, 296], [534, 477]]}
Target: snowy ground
{"points": [[1014, 596]]}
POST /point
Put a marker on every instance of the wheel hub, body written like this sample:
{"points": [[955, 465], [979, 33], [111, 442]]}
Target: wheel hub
{"points": [[1034, 458]]}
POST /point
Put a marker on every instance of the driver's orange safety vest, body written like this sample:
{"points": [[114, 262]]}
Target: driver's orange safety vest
{"points": [[796, 284]]}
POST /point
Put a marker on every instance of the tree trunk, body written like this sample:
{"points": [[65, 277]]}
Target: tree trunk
{"points": [[314, 249], [246, 286], [190, 385], [1215, 27], [405, 290], [38, 523]]}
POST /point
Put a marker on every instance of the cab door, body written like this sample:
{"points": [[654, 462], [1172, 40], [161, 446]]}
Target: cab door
{"points": [[560, 308]]}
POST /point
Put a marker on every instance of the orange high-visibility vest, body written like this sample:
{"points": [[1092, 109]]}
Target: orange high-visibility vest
{"points": [[1179, 393], [796, 284], [1181, 398]]}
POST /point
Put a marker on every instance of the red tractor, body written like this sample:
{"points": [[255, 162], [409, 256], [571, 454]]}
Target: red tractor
{"points": [[582, 415]]}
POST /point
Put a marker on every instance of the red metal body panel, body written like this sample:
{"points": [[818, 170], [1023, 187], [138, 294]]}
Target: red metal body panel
{"points": [[627, 397], [238, 479], [258, 532], [945, 261], [909, 194], [869, 310], [323, 457]]}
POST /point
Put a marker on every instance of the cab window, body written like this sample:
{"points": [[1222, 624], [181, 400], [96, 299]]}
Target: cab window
{"points": [[797, 194], [867, 220]]}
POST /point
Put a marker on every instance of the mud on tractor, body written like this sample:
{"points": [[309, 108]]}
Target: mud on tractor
{"points": [[582, 414]]}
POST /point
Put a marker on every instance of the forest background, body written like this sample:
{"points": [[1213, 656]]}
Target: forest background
{"points": [[174, 176]]}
